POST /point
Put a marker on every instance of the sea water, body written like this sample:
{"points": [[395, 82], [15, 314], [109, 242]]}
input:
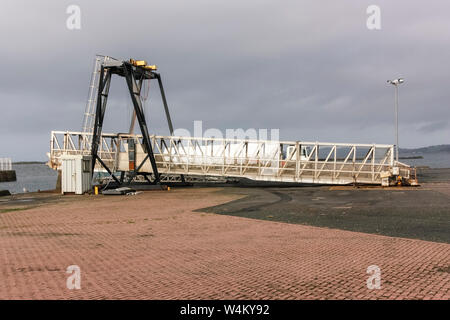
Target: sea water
{"points": [[34, 177]]}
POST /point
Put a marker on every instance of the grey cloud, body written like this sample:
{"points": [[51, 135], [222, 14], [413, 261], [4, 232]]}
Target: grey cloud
{"points": [[433, 126], [309, 68]]}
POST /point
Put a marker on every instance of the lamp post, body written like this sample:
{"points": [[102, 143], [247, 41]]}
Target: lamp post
{"points": [[396, 83]]}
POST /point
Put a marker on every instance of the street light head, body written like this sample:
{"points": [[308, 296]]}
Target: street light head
{"points": [[396, 82]]}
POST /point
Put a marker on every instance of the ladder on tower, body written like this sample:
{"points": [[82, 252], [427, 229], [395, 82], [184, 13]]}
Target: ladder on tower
{"points": [[89, 112]]}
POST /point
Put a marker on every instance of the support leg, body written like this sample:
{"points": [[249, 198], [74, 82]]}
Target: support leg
{"points": [[135, 97], [102, 97], [166, 109]]}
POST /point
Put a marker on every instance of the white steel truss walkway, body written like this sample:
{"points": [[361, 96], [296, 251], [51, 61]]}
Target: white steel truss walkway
{"points": [[279, 161]]}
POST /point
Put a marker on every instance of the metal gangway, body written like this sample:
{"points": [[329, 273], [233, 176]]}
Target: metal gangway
{"points": [[261, 160], [152, 156]]}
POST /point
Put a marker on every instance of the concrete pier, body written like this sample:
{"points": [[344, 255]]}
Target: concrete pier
{"points": [[7, 176]]}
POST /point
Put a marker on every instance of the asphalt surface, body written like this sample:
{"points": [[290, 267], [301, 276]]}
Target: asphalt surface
{"points": [[429, 175], [417, 213]]}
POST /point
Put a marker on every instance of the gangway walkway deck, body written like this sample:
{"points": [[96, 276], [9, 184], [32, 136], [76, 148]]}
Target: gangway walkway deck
{"points": [[278, 161]]}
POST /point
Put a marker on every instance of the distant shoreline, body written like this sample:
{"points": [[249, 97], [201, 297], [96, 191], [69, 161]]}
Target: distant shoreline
{"points": [[29, 162], [411, 157]]}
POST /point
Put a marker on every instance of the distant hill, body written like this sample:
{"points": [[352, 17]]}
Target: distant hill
{"points": [[29, 162], [431, 149]]}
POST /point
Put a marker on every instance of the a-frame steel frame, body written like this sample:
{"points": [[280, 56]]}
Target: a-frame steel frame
{"points": [[134, 76]]}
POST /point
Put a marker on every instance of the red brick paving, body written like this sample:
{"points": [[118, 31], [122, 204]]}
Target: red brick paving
{"points": [[153, 246]]}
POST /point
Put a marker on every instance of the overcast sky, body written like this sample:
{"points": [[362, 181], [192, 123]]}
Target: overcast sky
{"points": [[309, 68]]}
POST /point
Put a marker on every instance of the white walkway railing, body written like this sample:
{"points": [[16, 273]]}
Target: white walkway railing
{"points": [[5, 164], [281, 161]]}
